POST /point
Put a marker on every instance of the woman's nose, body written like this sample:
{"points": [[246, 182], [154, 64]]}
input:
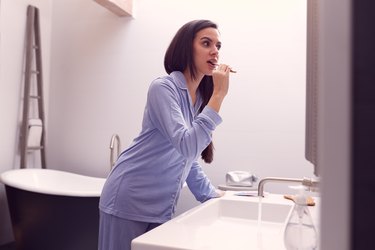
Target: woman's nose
{"points": [[215, 51]]}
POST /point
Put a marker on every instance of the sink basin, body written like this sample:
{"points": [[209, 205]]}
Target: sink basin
{"points": [[225, 223]]}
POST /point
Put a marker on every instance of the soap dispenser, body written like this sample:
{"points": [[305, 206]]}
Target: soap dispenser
{"points": [[300, 232]]}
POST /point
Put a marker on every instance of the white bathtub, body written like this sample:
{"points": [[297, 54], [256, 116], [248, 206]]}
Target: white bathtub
{"points": [[54, 182], [53, 209]]}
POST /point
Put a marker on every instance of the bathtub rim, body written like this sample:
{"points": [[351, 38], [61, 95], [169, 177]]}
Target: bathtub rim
{"points": [[15, 178]]}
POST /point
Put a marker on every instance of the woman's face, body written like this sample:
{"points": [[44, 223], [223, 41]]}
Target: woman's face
{"points": [[206, 46]]}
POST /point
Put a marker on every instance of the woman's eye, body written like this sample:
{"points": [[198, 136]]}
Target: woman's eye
{"points": [[207, 44]]}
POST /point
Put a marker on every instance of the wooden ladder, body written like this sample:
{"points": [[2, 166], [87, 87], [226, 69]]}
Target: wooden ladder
{"points": [[33, 71]]}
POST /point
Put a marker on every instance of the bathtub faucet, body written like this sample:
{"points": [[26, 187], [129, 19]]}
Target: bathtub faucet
{"points": [[311, 184], [114, 138]]}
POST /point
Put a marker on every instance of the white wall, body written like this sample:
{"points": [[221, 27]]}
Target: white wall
{"points": [[12, 35], [101, 67]]}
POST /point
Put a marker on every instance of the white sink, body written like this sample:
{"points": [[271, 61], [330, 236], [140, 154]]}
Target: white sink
{"points": [[230, 222]]}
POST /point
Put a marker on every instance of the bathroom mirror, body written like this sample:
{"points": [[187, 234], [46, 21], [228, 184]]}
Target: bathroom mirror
{"points": [[116, 58], [103, 65]]}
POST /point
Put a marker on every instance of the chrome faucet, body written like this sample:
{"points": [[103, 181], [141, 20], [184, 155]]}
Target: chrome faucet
{"points": [[311, 184], [114, 138]]}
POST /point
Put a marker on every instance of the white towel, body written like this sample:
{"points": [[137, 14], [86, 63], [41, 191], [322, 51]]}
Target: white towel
{"points": [[240, 178], [35, 133]]}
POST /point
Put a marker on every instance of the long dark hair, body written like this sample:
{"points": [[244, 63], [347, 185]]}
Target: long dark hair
{"points": [[179, 56]]}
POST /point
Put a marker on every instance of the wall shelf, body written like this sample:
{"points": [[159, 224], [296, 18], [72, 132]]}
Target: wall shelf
{"points": [[121, 8]]}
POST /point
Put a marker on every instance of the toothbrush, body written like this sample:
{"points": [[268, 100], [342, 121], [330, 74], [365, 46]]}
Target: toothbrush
{"points": [[231, 70]]}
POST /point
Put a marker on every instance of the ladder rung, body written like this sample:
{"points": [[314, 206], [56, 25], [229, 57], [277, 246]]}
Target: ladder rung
{"points": [[35, 96], [35, 47], [34, 148], [35, 72]]}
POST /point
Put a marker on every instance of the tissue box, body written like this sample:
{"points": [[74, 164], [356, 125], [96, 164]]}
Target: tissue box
{"points": [[240, 178]]}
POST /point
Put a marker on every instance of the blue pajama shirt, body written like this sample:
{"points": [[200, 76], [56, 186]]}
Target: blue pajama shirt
{"points": [[146, 181]]}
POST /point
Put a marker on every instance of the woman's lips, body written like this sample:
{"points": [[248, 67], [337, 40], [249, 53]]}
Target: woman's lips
{"points": [[212, 65]]}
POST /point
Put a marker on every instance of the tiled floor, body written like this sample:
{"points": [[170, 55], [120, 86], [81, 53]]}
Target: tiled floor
{"points": [[10, 246]]}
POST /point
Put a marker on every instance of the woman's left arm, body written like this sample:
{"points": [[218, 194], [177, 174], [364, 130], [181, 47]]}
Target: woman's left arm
{"points": [[200, 185]]}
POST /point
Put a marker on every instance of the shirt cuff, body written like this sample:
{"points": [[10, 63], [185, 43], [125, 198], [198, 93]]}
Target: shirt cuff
{"points": [[212, 116]]}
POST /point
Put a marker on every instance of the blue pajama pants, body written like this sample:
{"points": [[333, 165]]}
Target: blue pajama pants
{"points": [[116, 233]]}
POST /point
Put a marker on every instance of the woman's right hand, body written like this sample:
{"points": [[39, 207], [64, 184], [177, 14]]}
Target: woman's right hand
{"points": [[220, 78]]}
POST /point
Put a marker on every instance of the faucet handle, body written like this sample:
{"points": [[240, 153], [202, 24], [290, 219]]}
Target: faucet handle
{"points": [[311, 184]]}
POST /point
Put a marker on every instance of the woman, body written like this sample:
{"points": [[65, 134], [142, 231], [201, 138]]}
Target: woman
{"points": [[181, 113]]}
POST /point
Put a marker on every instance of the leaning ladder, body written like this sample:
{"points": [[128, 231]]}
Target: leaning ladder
{"points": [[33, 56]]}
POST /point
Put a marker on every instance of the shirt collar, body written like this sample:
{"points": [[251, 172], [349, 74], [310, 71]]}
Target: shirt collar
{"points": [[180, 80]]}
